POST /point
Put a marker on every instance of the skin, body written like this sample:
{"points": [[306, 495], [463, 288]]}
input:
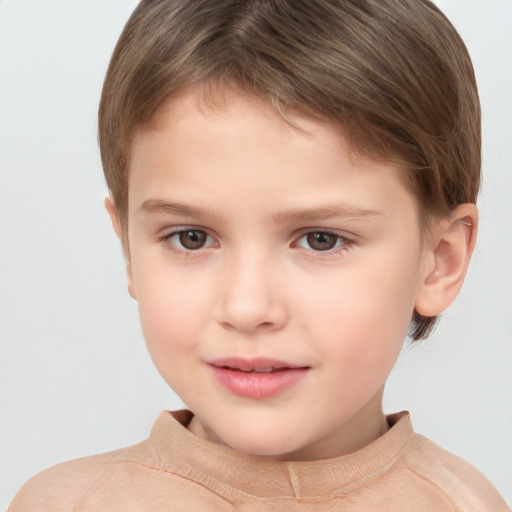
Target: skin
{"points": [[256, 186]]}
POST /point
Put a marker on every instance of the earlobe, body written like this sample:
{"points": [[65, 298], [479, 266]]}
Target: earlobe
{"points": [[452, 244], [116, 224]]}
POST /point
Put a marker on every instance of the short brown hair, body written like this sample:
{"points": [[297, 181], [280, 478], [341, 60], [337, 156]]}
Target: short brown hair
{"points": [[394, 73]]}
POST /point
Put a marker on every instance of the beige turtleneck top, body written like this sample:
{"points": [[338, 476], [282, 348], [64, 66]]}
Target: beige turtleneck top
{"points": [[174, 470]]}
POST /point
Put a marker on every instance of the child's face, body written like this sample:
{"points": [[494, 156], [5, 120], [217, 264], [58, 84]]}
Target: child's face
{"points": [[257, 245]]}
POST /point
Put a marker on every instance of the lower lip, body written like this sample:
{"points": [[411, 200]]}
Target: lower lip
{"points": [[258, 385]]}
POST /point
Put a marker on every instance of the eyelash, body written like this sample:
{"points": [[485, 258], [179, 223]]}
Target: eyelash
{"points": [[345, 243]]}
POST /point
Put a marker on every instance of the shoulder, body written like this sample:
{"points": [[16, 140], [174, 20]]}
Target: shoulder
{"points": [[460, 482], [60, 487]]}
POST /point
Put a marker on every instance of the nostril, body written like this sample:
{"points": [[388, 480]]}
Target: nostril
{"points": [[228, 326]]}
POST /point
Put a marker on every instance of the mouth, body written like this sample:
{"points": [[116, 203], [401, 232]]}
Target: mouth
{"points": [[257, 378]]}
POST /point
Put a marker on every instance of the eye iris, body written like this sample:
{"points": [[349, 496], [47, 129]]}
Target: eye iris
{"points": [[192, 239], [322, 241]]}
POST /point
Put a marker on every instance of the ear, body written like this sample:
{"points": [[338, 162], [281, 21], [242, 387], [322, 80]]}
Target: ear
{"points": [[116, 224], [448, 254]]}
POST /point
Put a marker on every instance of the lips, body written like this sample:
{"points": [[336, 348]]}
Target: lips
{"points": [[257, 378]]}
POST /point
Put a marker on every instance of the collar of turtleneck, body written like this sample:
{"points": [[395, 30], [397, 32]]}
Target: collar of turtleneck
{"points": [[219, 467]]}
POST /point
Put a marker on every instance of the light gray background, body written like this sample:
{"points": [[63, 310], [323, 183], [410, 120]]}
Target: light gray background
{"points": [[75, 376]]}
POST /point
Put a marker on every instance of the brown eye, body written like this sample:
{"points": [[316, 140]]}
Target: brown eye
{"points": [[192, 239], [322, 241]]}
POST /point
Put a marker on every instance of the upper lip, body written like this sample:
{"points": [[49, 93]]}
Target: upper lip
{"points": [[253, 364]]}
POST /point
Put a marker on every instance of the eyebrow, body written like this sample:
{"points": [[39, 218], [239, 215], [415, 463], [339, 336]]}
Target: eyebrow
{"points": [[326, 213], [159, 206]]}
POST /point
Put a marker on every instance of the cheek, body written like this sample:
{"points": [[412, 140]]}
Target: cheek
{"points": [[361, 304], [170, 323], [359, 345], [361, 318], [171, 308]]}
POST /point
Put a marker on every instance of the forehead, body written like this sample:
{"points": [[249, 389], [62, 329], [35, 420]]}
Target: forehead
{"points": [[239, 144], [203, 112], [205, 101]]}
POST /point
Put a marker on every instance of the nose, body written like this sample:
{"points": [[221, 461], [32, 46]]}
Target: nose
{"points": [[252, 296]]}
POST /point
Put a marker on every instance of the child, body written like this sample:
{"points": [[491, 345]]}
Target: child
{"points": [[293, 183]]}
